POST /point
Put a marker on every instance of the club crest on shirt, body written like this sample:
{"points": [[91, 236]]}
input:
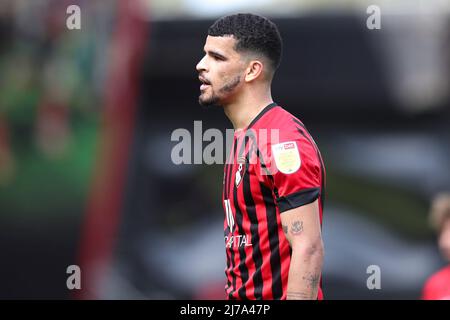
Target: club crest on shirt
{"points": [[287, 157], [241, 170]]}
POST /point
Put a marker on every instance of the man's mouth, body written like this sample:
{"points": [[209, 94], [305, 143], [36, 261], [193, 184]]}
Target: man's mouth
{"points": [[204, 83]]}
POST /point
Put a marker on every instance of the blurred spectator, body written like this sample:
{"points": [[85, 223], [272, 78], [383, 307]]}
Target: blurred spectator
{"points": [[437, 287]]}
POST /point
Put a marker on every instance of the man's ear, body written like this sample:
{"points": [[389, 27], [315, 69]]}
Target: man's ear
{"points": [[254, 70]]}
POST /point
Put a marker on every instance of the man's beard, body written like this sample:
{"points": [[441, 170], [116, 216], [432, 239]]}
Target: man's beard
{"points": [[215, 100]]}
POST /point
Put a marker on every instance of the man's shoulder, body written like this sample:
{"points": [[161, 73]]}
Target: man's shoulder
{"points": [[438, 276], [436, 286], [280, 128], [279, 118]]}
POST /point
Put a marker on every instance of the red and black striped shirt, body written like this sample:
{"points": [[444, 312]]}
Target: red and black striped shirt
{"points": [[274, 165]]}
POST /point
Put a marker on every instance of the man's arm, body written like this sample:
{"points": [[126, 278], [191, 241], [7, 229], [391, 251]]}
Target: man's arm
{"points": [[302, 229]]}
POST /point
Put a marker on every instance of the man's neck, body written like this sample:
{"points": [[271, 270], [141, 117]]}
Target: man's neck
{"points": [[242, 113]]}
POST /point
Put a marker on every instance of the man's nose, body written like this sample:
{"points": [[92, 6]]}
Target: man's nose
{"points": [[201, 65]]}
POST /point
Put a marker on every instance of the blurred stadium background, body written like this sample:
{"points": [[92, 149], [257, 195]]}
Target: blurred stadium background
{"points": [[86, 118]]}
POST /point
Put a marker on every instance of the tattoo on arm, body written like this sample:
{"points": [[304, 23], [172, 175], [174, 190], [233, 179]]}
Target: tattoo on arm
{"points": [[285, 229], [312, 280], [312, 283], [297, 227]]}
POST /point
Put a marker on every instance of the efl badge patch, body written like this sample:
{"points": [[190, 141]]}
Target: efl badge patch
{"points": [[287, 157]]}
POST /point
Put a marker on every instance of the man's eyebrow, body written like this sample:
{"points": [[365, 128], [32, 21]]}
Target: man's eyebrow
{"points": [[215, 53]]}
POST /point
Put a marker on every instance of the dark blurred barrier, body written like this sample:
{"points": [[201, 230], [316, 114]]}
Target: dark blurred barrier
{"points": [[332, 67]]}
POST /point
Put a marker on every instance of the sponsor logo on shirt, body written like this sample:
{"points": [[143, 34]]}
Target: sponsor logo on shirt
{"points": [[238, 241]]}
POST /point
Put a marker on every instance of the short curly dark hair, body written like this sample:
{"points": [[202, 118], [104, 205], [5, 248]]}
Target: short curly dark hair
{"points": [[253, 33]]}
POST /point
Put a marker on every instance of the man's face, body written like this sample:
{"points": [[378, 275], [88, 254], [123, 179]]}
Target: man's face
{"points": [[444, 239], [220, 71]]}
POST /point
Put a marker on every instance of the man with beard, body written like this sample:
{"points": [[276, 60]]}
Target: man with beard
{"points": [[274, 178]]}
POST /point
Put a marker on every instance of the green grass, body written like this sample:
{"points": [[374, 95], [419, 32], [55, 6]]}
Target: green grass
{"points": [[44, 188]]}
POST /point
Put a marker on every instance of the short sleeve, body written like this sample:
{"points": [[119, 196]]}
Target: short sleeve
{"points": [[296, 171]]}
